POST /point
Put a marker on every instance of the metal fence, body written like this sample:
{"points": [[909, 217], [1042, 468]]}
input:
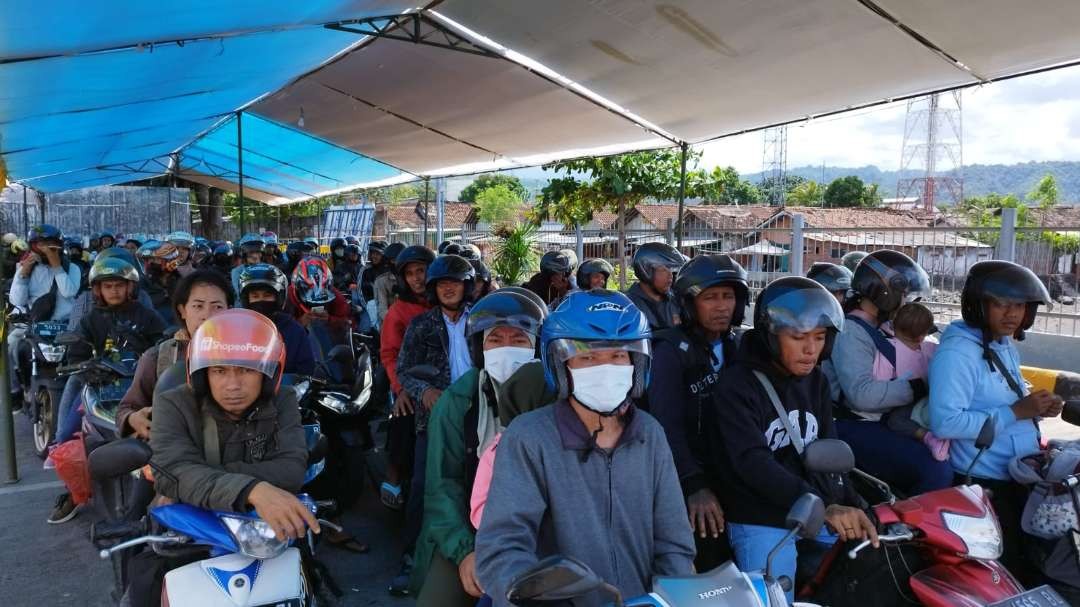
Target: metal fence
{"points": [[945, 252]]}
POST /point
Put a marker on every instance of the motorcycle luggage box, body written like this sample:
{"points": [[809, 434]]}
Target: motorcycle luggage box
{"points": [[725, 585], [235, 580]]}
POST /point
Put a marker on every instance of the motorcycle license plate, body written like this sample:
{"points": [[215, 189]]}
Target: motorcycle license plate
{"points": [[1043, 596]]}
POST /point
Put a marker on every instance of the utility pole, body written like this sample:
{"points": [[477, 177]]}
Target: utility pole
{"points": [[932, 158]]}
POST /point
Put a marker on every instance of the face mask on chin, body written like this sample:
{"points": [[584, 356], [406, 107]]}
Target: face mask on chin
{"points": [[602, 388], [500, 363]]}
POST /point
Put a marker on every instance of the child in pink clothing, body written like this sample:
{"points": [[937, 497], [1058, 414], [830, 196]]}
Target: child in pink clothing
{"points": [[910, 327]]}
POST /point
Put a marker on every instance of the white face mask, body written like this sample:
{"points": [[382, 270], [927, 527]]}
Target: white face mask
{"points": [[500, 363], [604, 387]]}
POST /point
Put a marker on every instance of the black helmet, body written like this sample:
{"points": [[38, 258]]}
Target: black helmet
{"points": [[351, 240], [224, 250], [889, 279], [296, 249], [706, 271], [852, 259], [536, 299], [652, 254], [572, 256], [416, 252], [352, 249], [831, 276], [394, 249], [451, 249], [556, 262], [377, 245], [483, 274], [593, 266], [335, 244], [795, 302], [1006, 282], [503, 308], [44, 232], [470, 251], [450, 267], [442, 246], [266, 276]]}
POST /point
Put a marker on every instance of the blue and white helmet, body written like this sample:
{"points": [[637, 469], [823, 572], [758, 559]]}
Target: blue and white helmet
{"points": [[594, 320]]}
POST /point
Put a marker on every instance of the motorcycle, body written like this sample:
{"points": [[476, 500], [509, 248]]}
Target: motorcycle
{"points": [[956, 534], [106, 379], [230, 540], [560, 578], [40, 383]]}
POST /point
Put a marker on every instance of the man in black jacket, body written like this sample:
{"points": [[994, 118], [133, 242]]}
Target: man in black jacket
{"points": [[118, 323], [712, 294], [756, 450], [655, 265]]}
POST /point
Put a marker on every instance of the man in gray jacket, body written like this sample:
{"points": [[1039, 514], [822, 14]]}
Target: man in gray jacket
{"points": [[589, 477]]}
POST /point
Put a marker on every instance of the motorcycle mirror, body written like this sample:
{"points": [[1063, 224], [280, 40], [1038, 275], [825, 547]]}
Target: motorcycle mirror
{"points": [[807, 515], [118, 458], [828, 455], [556, 578], [69, 338], [1071, 412], [986, 434]]}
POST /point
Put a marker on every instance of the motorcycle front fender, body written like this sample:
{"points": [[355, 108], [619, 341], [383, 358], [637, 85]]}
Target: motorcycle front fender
{"points": [[235, 579], [966, 584]]}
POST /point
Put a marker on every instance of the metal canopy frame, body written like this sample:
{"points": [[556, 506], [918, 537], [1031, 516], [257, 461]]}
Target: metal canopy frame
{"points": [[417, 28]]}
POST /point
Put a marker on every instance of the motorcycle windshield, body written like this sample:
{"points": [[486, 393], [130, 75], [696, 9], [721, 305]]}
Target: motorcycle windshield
{"points": [[201, 525]]}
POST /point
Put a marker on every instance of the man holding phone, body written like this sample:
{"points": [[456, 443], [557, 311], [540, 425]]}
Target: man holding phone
{"points": [[44, 269]]}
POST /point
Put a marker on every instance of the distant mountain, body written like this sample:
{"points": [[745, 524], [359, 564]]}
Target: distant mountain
{"points": [[979, 179]]}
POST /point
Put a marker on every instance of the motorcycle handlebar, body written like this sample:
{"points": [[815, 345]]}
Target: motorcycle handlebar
{"points": [[139, 541], [905, 536]]}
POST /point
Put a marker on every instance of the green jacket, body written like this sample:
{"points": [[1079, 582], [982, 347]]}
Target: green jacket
{"points": [[446, 526]]}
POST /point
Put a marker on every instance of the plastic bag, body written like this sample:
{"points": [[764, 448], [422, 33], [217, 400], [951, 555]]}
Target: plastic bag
{"points": [[70, 461]]}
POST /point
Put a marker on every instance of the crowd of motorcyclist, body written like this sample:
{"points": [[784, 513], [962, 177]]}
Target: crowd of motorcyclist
{"points": [[659, 431]]}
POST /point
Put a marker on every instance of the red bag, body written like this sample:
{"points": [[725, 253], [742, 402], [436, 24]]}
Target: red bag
{"points": [[70, 461]]}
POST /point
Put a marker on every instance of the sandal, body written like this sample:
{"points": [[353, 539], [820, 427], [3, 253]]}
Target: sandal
{"points": [[391, 496]]}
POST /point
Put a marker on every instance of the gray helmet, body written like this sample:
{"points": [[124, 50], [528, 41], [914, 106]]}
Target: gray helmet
{"points": [[652, 254], [556, 262], [852, 259], [593, 266], [831, 276]]}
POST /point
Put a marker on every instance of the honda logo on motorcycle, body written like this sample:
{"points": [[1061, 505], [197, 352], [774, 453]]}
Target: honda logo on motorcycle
{"points": [[715, 592]]}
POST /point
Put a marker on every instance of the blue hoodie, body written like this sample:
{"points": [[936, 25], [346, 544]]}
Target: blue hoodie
{"points": [[964, 391]]}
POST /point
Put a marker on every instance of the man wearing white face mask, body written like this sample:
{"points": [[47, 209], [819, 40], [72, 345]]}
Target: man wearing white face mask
{"points": [[502, 330], [589, 477]]}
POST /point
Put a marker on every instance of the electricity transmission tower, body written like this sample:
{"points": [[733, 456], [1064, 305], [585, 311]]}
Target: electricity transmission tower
{"points": [[774, 165], [932, 159]]}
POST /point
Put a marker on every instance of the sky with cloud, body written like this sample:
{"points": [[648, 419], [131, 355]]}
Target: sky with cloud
{"points": [[1026, 119]]}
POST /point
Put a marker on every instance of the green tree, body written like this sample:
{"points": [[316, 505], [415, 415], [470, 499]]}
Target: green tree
{"points": [[483, 182], [498, 204], [850, 191], [722, 185], [807, 194], [1045, 194], [614, 183]]}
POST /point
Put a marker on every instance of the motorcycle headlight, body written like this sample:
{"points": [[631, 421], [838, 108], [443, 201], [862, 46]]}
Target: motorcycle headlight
{"points": [[51, 353], [981, 534], [254, 537], [338, 403]]}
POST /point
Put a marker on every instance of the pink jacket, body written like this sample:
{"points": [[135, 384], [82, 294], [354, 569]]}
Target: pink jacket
{"points": [[482, 482], [910, 364]]}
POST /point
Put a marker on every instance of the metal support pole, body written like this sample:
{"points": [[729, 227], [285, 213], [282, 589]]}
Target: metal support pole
{"points": [[25, 213], [7, 421], [440, 209], [622, 244], [240, 165], [279, 221], [579, 245], [798, 222], [427, 182], [682, 192], [669, 231], [1006, 248]]}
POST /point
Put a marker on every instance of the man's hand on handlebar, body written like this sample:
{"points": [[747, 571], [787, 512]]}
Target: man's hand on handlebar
{"points": [[851, 524], [282, 511]]}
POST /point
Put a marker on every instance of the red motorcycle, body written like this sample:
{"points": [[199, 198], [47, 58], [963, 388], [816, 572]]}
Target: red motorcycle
{"points": [[956, 534]]}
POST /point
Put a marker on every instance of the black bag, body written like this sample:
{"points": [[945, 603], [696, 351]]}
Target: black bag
{"points": [[43, 307], [877, 577]]}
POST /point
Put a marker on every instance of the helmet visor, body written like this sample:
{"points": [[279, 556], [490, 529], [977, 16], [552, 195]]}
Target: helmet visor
{"points": [[563, 350], [236, 338], [911, 279], [1016, 287], [803, 310], [482, 320]]}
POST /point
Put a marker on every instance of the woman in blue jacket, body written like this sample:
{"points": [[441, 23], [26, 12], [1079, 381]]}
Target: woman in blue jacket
{"points": [[975, 376]]}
